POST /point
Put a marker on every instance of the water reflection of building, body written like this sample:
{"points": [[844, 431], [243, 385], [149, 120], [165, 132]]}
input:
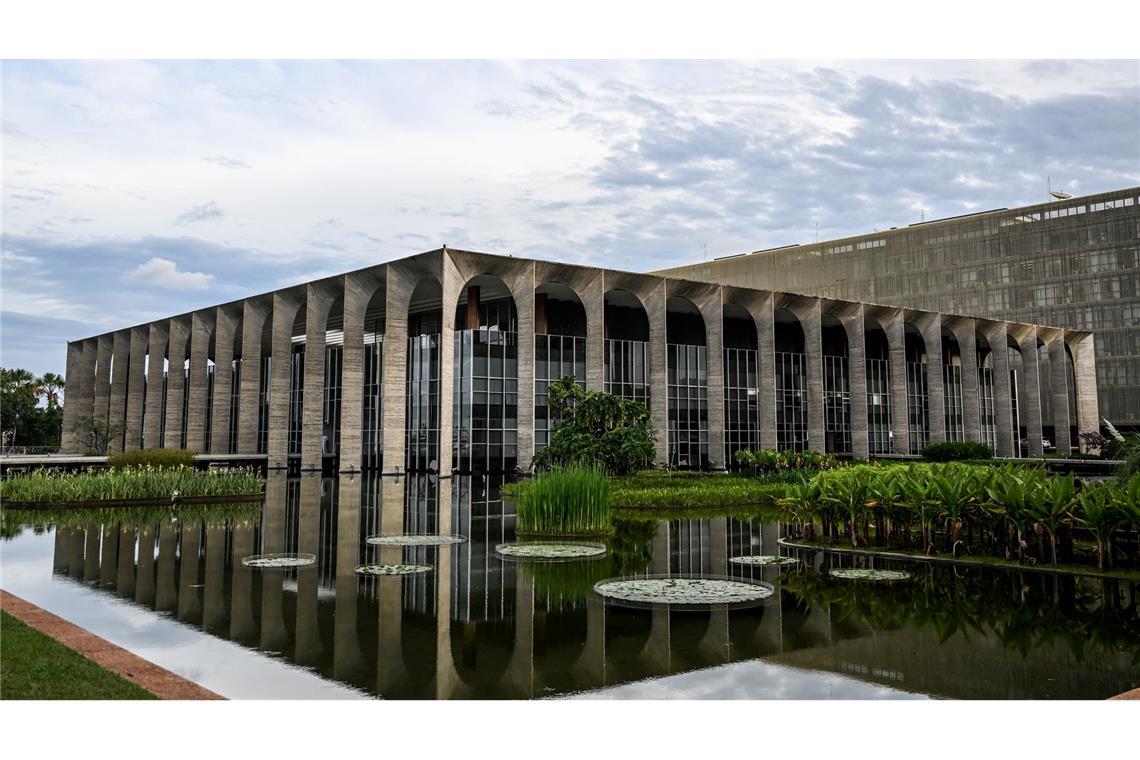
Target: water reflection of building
{"points": [[478, 627]]}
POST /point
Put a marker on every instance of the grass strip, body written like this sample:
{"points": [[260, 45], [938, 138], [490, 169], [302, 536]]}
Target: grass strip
{"points": [[35, 666]]}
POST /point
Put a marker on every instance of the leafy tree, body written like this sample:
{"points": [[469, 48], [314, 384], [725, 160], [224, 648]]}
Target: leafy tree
{"points": [[96, 433], [25, 422], [597, 429]]}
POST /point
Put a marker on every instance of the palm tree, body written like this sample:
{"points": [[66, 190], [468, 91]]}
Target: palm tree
{"points": [[49, 386]]}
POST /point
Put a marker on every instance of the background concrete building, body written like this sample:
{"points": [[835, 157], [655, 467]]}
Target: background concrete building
{"points": [[441, 361], [1074, 263]]}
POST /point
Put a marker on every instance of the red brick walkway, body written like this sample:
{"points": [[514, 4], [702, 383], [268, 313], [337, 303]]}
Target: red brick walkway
{"points": [[158, 681]]}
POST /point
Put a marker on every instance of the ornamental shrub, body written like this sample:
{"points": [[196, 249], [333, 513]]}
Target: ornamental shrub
{"points": [[766, 461], [951, 451], [162, 459]]}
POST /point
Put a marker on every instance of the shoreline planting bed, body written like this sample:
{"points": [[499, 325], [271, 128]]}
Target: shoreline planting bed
{"points": [[43, 489]]}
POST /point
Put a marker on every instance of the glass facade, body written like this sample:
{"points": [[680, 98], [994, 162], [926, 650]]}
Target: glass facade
{"points": [[262, 406], [688, 405], [372, 422], [952, 403], [791, 402], [879, 406], [486, 401], [421, 422], [741, 402], [627, 369], [918, 423], [330, 416], [986, 406], [296, 399], [555, 356], [836, 405]]}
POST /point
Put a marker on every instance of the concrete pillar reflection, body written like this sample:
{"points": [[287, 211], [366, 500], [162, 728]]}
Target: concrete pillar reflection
{"points": [[92, 538], [243, 622], [446, 676], [136, 382], [656, 654], [179, 334], [109, 556], [274, 632], [308, 633], [189, 562], [144, 574], [347, 656], [166, 579], [157, 336], [214, 611], [520, 671]]}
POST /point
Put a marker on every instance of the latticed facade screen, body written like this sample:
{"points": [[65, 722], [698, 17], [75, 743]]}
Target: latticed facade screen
{"points": [[555, 356], [688, 405], [627, 369], [235, 398], [791, 402], [486, 401], [879, 406], [330, 413], [372, 422], [741, 402], [262, 406], [422, 426], [952, 403], [918, 423], [296, 399], [836, 405]]}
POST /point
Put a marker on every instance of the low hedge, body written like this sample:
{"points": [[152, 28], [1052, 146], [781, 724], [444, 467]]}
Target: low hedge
{"points": [[953, 451], [162, 459]]}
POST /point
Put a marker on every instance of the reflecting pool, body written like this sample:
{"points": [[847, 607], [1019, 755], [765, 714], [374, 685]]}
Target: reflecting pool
{"points": [[478, 626]]}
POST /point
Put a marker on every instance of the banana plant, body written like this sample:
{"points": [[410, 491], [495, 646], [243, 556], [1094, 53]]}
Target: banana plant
{"points": [[1051, 504], [1009, 492], [1101, 513], [954, 490], [917, 490], [800, 502], [847, 495]]}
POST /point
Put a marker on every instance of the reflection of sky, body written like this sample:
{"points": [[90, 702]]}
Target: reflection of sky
{"points": [[221, 666], [751, 680]]}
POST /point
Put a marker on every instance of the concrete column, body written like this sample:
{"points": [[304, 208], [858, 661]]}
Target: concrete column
{"points": [[452, 283], [1030, 403], [712, 310], [274, 630], [766, 368], [117, 408], [136, 393], [201, 325], [524, 305], [253, 317], [965, 332], [997, 337], [594, 302], [358, 290], [70, 442], [285, 306], [895, 328], [179, 330], [157, 336], [931, 327], [101, 404], [811, 320], [226, 323], [655, 309], [857, 381], [1059, 381], [397, 297], [1084, 368], [318, 301]]}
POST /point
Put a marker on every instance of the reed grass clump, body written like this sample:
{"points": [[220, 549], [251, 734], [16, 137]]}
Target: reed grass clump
{"points": [[571, 500], [157, 458], [145, 482]]}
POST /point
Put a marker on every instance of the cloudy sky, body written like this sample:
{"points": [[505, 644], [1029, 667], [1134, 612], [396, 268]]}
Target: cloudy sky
{"points": [[132, 191]]}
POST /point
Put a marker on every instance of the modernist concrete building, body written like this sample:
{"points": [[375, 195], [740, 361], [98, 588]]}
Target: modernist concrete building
{"points": [[441, 361], [1073, 263]]}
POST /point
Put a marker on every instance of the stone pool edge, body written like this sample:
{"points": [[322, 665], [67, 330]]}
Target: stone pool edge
{"points": [[159, 681]]}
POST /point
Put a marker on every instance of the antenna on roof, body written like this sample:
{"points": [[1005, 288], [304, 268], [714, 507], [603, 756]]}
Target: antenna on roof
{"points": [[1057, 194]]}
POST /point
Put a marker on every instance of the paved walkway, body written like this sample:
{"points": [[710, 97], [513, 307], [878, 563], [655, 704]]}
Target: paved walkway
{"points": [[158, 681]]}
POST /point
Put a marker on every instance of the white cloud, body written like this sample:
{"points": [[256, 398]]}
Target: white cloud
{"points": [[164, 273]]}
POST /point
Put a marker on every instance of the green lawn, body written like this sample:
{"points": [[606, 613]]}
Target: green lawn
{"points": [[34, 666]]}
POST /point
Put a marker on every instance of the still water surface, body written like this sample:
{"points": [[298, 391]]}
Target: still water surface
{"points": [[479, 627]]}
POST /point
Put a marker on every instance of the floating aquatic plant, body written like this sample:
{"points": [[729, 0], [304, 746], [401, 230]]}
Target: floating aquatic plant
{"points": [[416, 539], [277, 561], [550, 551], [394, 569], [858, 574], [682, 590], [764, 560]]}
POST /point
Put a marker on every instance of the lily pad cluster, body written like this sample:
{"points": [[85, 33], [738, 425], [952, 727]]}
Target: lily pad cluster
{"points": [[858, 574], [550, 550], [764, 560], [416, 539], [279, 561], [393, 569], [682, 590]]}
